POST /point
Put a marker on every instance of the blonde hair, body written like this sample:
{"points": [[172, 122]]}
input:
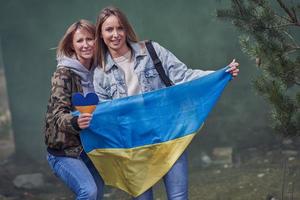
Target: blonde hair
{"points": [[101, 47], [65, 46]]}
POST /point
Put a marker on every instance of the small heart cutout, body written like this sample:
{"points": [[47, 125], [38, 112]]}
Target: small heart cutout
{"points": [[79, 100], [85, 104]]}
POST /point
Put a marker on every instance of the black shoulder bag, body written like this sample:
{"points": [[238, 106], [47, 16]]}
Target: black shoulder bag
{"points": [[158, 65]]}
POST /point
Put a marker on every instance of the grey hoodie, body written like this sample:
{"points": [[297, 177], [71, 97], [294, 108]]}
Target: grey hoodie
{"points": [[85, 74]]}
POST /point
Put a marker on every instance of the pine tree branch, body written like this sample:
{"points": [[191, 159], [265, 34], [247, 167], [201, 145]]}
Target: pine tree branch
{"points": [[275, 51], [296, 19], [284, 25], [238, 4], [294, 48], [283, 17], [292, 15], [286, 9]]}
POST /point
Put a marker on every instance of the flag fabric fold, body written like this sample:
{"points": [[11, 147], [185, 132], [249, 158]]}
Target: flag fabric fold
{"points": [[134, 141]]}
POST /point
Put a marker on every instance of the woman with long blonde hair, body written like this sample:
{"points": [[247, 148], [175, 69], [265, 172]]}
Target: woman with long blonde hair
{"points": [[74, 73], [129, 70]]}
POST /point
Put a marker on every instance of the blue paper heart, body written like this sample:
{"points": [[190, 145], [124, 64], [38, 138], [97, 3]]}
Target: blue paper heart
{"points": [[79, 100]]}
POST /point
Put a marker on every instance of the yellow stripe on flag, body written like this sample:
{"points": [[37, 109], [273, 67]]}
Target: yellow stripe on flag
{"points": [[137, 169]]}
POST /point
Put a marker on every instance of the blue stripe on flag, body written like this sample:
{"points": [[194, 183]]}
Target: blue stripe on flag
{"points": [[154, 117]]}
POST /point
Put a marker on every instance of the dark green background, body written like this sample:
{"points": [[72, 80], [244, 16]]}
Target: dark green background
{"points": [[30, 29]]}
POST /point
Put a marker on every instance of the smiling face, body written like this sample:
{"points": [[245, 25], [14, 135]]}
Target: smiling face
{"points": [[114, 36], [84, 45]]}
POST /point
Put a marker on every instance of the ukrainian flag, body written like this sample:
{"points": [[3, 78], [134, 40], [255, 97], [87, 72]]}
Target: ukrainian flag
{"points": [[134, 141]]}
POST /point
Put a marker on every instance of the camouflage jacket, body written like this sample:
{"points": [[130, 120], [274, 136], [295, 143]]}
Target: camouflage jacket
{"points": [[61, 128]]}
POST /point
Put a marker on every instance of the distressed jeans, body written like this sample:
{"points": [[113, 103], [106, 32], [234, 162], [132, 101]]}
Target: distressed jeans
{"points": [[79, 174], [176, 181]]}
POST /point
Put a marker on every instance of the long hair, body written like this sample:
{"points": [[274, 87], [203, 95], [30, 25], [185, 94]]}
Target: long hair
{"points": [[101, 47], [65, 45]]}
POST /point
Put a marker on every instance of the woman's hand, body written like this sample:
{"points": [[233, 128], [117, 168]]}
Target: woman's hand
{"points": [[233, 70], [84, 120]]}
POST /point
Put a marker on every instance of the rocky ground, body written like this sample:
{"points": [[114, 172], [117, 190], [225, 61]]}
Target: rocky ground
{"points": [[259, 174]]}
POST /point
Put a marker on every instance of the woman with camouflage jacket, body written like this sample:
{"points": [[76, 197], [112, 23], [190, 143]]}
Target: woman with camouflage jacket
{"points": [[74, 73]]}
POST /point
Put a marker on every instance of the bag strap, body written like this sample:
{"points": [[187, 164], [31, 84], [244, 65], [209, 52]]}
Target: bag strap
{"points": [[158, 65]]}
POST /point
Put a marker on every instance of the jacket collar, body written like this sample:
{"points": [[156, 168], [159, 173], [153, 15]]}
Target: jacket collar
{"points": [[138, 50]]}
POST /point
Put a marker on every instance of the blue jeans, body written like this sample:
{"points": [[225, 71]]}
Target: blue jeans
{"points": [[176, 181], [79, 174]]}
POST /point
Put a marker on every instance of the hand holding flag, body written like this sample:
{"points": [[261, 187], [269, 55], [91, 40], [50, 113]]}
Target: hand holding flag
{"points": [[233, 70], [85, 105]]}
